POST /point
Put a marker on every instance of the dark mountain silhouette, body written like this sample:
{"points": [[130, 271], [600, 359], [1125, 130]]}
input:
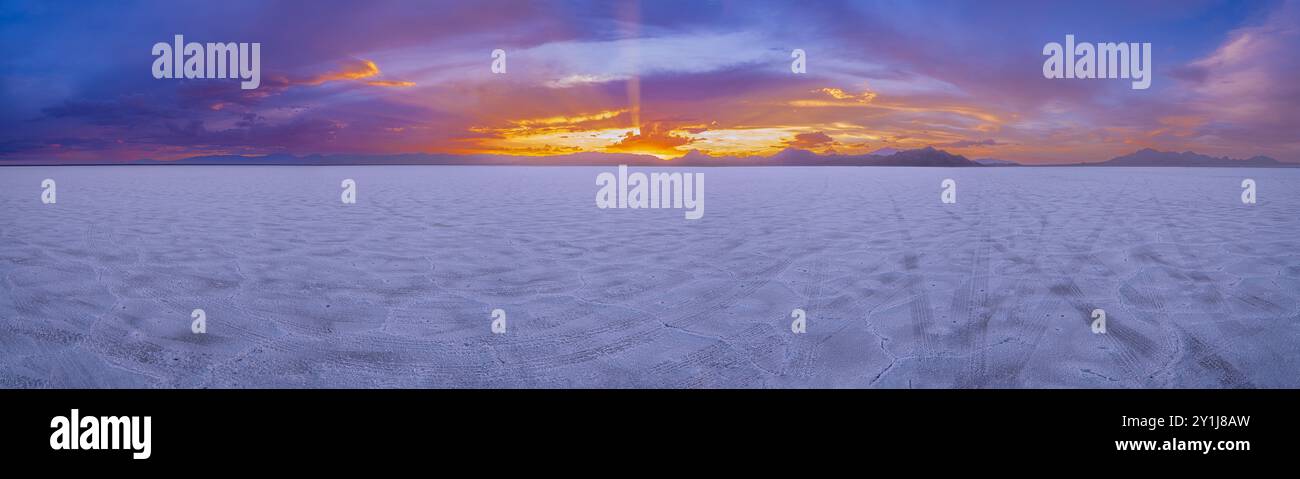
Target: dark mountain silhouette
{"points": [[927, 156], [1150, 157], [996, 162], [796, 157]]}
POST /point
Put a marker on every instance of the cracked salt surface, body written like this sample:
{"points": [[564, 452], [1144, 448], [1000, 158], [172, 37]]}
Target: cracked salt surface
{"points": [[397, 289]]}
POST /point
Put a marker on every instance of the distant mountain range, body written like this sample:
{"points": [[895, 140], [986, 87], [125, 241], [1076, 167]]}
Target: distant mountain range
{"points": [[928, 156], [1149, 157]]}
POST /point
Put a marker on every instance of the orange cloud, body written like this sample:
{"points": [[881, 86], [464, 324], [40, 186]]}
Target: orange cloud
{"points": [[390, 83], [586, 131], [357, 70], [839, 94], [656, 140], [570, 120], [810, 141]]}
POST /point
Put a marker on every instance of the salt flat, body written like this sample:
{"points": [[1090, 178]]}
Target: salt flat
{"points": [[397, 290]]}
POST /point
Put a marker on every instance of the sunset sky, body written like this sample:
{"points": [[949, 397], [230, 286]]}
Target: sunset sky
{"points": [[654, 77]]}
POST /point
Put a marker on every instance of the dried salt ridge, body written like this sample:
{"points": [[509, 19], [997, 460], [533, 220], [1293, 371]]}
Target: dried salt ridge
{"points": [[900, 290]]}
